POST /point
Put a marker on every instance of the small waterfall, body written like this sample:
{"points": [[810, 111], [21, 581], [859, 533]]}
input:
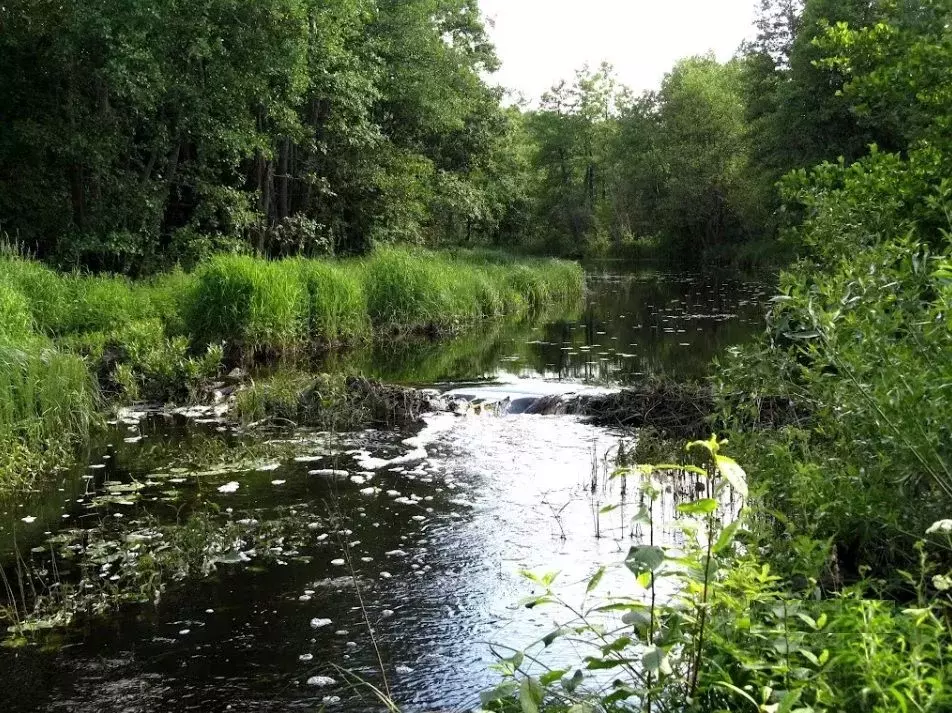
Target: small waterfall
{"points": [[520, 397]]}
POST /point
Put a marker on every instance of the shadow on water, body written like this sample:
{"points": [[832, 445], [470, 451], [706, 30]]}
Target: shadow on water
{"points": [[243, 535]]}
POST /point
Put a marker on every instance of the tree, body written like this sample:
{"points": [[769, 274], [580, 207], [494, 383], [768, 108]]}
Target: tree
{"points": [[703, 150], [136, 134]]}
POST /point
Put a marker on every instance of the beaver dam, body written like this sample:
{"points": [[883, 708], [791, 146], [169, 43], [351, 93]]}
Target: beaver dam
{"points": [[237, 557]]}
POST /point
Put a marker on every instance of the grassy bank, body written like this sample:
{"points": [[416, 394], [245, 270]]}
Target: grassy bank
{"points": [[68, 340]]}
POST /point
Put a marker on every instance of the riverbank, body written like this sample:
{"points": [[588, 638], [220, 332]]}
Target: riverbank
{"points": [[70, 343]]}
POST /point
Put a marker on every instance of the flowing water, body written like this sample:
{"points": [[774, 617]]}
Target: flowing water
{"points": [[295, 553]]}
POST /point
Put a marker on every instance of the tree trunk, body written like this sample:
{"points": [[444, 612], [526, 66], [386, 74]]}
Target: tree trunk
{"points": [[77, 194], [283, 182]]}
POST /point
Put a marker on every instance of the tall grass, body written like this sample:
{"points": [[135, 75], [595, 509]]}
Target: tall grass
{"points": [[44, 394], [152, 338], [253, 304], [16, 322], [337, 301], [64, 304], [250, 302], [44, 289], [409, 288], [405, 290], [48, 401], [291, 303]]}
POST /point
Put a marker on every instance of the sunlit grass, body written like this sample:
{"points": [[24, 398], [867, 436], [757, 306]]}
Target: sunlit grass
{"points": [[336, 299], [249, 302]]}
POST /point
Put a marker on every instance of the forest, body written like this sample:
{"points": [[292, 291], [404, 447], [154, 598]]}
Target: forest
{"points": [[195, 188], [137, 137]]}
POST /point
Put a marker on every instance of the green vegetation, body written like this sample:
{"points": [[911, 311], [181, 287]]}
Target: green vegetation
{"points": [[838, 597], [290, 303], [733, 636], [191, 161], [161, 338], [140, 136]]}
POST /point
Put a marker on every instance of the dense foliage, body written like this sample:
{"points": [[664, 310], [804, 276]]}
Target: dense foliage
{"points": [[136, 135]]}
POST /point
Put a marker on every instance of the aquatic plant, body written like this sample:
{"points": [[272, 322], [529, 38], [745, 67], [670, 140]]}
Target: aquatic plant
{"points": [[329, 401], [48, 402], [160, 338], [138, 561], [406, 291]]}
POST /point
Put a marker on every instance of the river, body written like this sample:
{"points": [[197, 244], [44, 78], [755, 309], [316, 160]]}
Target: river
{"points": [[419, 536]]}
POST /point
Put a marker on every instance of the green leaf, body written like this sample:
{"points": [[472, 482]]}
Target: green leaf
{"points": [[533, 602], [549, 638], [530, 695], [619, 644], [599, 664], [711, 445], [596, 578], [686, 468], [644, 558], [642, 518], [740, 692], [789, 701], [550, 677], [656, 661], [503, 691], [582, 708], [638, 618], [699, 507], [733, 473], [726, 537]]}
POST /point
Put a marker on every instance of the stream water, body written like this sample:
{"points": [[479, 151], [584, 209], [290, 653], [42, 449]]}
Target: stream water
{"points": [[293, 553]]}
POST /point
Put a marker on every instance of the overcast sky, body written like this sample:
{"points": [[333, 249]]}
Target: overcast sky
{"points": [[542, 41]]}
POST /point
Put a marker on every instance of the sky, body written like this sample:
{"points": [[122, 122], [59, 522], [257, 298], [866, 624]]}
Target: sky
{"points": [[543, 41]]}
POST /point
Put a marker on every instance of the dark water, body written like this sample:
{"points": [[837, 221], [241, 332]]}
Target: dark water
{"points": [[632, 324], [436, 526]]}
